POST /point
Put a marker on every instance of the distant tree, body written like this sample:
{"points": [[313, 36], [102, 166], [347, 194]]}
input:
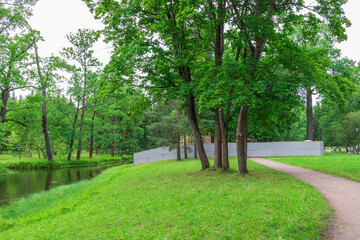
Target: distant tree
{"points": [[166, 129], [348, 132], [80, 52]]}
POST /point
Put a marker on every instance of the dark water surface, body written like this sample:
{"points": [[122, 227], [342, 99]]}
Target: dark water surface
{"points": [[21, 183]]}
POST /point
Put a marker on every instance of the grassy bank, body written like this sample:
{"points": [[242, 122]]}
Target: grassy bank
{"points": [[171, 200], [12, 162], [339, 164]]}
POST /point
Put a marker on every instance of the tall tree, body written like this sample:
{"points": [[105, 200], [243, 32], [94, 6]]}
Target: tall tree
{"points": [[16, 39], [15, 58], [81, 52], [47, 77], [164, 49], [260, 24]]}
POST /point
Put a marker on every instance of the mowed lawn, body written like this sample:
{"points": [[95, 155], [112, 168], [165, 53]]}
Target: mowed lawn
{"points": [[172, 200], [338, 164]]}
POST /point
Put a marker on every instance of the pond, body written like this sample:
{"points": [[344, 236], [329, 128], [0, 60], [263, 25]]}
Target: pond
{"points": [[21, 183]]}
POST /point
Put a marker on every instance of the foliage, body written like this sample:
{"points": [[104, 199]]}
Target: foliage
{"points": [[348, 132], [173, 197], [3, 171], [25, 163]]}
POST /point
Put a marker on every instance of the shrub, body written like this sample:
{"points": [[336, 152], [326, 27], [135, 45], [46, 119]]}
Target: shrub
{"points": [[3, 171]]}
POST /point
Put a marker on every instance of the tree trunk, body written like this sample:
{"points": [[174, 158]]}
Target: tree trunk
{"points": [[217, 141], [92, 135], [4, 100], [28, 149], [80, 133], [45, 128], [219, 52], [185, 147], [241, 140], [309, 114], [82, 118], [43, 108], [195, 150], [178, 150], [193, 121], [219, 36], [73, 133], [124, 132], [224, 138], [116, 132], [185, 143]]}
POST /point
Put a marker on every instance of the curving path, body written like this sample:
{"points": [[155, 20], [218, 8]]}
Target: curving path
{"points": [[343, 196]]}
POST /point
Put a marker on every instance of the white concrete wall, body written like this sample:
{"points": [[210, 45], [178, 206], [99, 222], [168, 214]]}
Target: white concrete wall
{"points": [[254, 150]]}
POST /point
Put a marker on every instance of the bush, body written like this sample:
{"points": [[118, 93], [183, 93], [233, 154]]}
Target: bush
{"points": [[3, 171]]}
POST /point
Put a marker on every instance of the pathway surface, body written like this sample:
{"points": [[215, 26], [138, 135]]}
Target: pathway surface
{"points": [[343, 196]]}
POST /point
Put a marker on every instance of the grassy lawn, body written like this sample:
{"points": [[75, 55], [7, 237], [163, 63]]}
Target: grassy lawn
{"points": [[172, 200], [11, 161], [339, 164]]}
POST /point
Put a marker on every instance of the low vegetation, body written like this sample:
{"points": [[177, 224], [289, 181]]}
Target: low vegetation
{"points": [[172, 200], [3, 171], [339, 164], [12, 162]]}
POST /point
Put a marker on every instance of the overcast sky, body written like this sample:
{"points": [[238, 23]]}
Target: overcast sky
{"points": [[56, 18], [351, 48]]}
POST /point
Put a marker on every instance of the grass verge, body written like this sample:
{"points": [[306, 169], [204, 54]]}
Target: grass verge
{"points": [[172, 200], [11, 162], [339, 164]]}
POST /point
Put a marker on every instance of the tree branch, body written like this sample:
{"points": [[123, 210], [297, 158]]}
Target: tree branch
{"points": [[13, 120]]}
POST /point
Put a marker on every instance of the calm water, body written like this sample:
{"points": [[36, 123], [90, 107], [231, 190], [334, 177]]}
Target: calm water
{"points": [[24, 182]]}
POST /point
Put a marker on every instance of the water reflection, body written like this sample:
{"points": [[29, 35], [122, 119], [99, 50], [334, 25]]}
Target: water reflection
{"points": [[24, 182]]}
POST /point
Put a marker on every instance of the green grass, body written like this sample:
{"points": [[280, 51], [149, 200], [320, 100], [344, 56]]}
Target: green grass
{"points": [[13, 162], [172, 200], [339, 164]]}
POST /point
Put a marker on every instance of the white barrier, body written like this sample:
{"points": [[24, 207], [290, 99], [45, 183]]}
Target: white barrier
{"points": [[254, 150]]}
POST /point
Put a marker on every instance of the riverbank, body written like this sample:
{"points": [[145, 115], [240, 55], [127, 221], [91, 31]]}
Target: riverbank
{"points": [[173, 200], [10, 162]]}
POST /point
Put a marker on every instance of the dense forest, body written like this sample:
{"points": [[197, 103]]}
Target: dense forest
{"points": [[236, 69]]}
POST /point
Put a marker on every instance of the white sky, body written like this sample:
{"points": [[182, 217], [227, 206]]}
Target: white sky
{"points": [[351, 48], [56, 18]]}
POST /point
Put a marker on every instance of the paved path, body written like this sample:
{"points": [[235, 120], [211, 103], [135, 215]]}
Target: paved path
{"points": [[342, 194]]}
